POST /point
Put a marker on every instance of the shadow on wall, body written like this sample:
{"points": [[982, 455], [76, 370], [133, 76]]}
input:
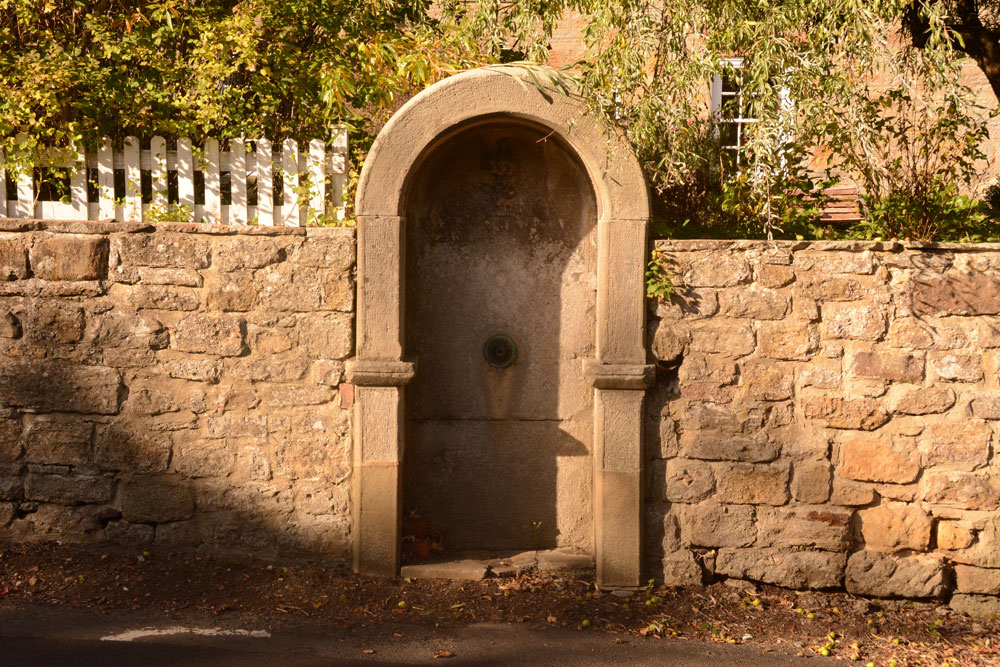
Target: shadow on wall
{"points": [[180, 424], [501, 221]]}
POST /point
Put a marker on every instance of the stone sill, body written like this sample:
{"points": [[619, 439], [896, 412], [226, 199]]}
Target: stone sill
{"points": [[112, 227]]}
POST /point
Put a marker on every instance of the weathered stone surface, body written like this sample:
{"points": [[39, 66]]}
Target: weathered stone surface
{"points": [[181, 277], [732, 337], [330, 253], [11, 488], [860, 321], [925, 401], [774, 276], [69, 257], [958, 445], [326, 337], [957, 367], [956, 294], [977, 606], [889, 366], [132, 447], [6, 513], [883, 576], [282, 288], [681, 569], [861, 414], [744, 483], [288, 395], [55, 442], [711, 525], [789, 340], [231, 292], [238, 424], [75, 489], [717, 270], [154, 500], [13, 260], [724, 446], [977, 580], [768, 381], [239, 254], [715, 369], [201, 369], [891, 528], [879, 460], [792, 569], [161, 297], [963, 490], [203, 458], [54, 323], [185, 251], [142, 331], [754, 304], [128, 534], [58, 387], [811, 481], [216, 334], [337, 291], [10, 439], [815, 527], [10, 326], [952, 535], [688, 481], [986, 405]]}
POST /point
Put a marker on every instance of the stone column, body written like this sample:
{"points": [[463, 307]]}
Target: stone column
{"points": [[620, 376], [380, 375]]}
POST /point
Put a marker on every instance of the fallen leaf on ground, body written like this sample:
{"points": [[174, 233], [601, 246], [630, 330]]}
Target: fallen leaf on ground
{"points": [[444, 654]]}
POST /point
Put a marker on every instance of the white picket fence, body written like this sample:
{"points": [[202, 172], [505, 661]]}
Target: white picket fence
{"points": [[311, 182]]}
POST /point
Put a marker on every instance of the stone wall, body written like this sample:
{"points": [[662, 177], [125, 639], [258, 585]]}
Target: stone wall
{"points": [[177, 385], [826, 415]]}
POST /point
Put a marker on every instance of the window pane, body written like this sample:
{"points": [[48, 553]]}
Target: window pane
{"points": [[728, 134], [730, 107], [730, 84]]}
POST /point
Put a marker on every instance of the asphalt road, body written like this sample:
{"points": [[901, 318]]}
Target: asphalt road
{"points": [[44, 635]]}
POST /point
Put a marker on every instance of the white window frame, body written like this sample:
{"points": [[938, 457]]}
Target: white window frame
{"points": [[740, 121]]}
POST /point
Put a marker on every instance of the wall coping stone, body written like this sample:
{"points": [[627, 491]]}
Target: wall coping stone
{"points": [[112, 227], [693, 245]]}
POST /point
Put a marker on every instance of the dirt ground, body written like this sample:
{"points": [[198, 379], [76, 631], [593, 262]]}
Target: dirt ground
{"points": [[883, 633]]}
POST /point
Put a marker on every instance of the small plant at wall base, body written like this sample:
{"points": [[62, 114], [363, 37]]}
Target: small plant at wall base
{"points": [[659, 284]]}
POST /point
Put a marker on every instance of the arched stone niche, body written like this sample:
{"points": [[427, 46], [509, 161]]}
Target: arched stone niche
{"points": [[410, 202]]}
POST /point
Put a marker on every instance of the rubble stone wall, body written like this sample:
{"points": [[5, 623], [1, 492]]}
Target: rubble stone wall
{"points": [[176, 385], [827, 414]]}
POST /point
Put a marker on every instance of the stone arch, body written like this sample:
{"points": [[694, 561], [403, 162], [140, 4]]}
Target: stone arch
{"points": [[618, 371]]}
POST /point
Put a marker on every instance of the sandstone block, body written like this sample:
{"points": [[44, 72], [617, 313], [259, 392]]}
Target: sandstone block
{"points": [[732, 337], [889, 366], [754, 304], [231, 292], [10, 439], [132, 447], [792, 341], [959, 445], [721, 446], [162, 249], [851, 261], [952, 535], [289, 395], [13, 260], [815, 527], [216, 334], [986, 405], [177, 534], [977, 606], [282, 288], [57, 387], [337, 291], [11, 488], [141, 331], [705, 416], [62, 443], [962, 490], [859, 321], [716, 369], [688, 481], [745, 483], [879, 460], [335, 253], [956, 293], [236, 425], [717, 270], [68, 489], [792, 569], [55, 323], [825, 288], [241, 254], [811, 481], [154, 500], [273, 368], [10, 326], [326, 337], [69, 257], [878, 575], [910, 333], [128, 534], [200, 369], [861, 414], [957, 367], [718, 525], [925, 401], [977, 580], [768, 381], [161, 297], [681, 569], [329, 373], [204, 458], [180, 277], [891, 528], [774, 276], [985, 552], [6, 513]]}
